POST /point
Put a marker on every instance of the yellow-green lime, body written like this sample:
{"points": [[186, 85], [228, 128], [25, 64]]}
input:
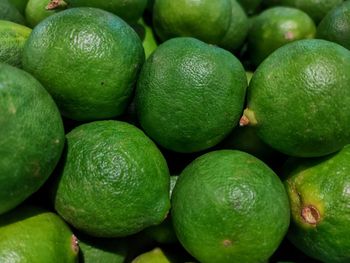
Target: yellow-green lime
{"points": [[88, 59], [114, 181], [176, 91], [31, 234], [156, 255]]}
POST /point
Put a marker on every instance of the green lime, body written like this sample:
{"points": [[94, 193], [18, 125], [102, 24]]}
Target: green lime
{"points": [[31, 234], [237, 30], [128, 10], [164, 232], [276, 27], [9, 12], [31, 136], [101, 250], [316, 9], [88, 59], [227, 204], [147, 37], [176, 91], [12, 39], [114, 181], [38, 10], [298, 99], [206, 20], [319, 193], [154, 256], [335, 26]]}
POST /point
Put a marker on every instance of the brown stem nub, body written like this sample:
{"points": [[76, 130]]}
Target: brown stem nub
{"points": [[54, 4], [75, 244], [244, 121], [310, 215]]}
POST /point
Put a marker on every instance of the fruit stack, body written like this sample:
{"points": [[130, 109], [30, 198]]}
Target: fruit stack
{"points": [[174, 131]]}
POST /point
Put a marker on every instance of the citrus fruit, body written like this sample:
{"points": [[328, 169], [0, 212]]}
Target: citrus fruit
{"points": [[176, 91], [12, 39], [88, 59], [32, 234], [38, 10], [219, 195], [335, 26], [114, 181], [298, 99], [101, 250], [154, 256], [31, 136], [237, 30], [9, 12], [316, 9], [164, 232], [147, 37], [128, 10], [206, 20], [276, 27], [319, 193]]}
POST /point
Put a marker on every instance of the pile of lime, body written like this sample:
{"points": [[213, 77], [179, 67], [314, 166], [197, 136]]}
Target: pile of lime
{"points": [[162, 131]]}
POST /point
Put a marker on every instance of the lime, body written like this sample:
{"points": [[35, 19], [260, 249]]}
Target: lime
{"points": [[114, 181], [176, 91], [298, 99], [88, 59], [31, 136]]}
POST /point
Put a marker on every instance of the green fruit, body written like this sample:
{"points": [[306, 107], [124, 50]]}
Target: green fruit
{"points": [[206, 20], [9, 12], [38, 10], [147, 37], [298, 99], [31, 234], [164, 232], [128, 10], [237, 30], [12, 39], [88, 59], [335, 26], [250, 6], [276, 27], [316, 9], [227, 204], [319, 193], [154, 256], [177, 87], [114, 181], [101, 250], [31, 136]]}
